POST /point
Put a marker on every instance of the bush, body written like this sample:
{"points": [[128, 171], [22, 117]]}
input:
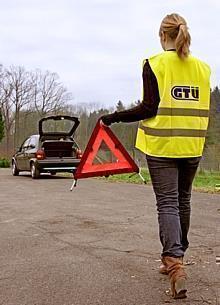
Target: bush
{"points": [[4, 162]]}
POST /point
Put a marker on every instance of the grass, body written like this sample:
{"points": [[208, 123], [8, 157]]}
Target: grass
{"points": [[204, 181], [4, 163], [131, 178], [207, 181]]}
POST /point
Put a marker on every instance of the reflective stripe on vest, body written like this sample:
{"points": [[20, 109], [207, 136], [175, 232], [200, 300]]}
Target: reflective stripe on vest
{"points": [[179, 128], [183, 112], [173, 132]]}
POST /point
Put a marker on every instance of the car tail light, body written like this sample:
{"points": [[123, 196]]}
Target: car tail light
{"points": [[40, 154], [78, 154]]}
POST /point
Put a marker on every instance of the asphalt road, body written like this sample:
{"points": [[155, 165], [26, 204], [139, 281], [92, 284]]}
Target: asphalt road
{"points": [[97, 245]]}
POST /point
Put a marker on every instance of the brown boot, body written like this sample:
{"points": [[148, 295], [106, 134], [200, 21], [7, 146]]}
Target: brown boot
{"points": [[163, 267], [177, 276]]}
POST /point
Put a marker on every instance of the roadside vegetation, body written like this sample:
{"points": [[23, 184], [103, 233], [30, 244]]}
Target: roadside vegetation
{"points": [[1, 127], [4, 163], [205, 181]]}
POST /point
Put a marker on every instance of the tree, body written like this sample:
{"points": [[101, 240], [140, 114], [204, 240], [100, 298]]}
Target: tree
{"points": [[6, 107], [18, 80], [26, 96], [1, 127], [120, 106], [213, 136], [49, 95]]}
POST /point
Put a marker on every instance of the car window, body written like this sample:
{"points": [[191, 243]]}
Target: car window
{"points": [[26, 143], [61, 126], [33, 141]]}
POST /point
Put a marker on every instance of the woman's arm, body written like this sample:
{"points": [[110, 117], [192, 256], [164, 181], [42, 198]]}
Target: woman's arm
{"points": [[146, 109]]}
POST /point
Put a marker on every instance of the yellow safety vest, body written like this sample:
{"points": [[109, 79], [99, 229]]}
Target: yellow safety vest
{"points": [[179, 128]]}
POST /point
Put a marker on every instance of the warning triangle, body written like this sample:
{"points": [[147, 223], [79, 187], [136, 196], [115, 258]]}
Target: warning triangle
{"points": [[102, 136]]}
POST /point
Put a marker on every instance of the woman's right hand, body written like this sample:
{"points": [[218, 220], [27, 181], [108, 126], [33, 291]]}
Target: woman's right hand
{"points": [[105, 120], [101, 123]]}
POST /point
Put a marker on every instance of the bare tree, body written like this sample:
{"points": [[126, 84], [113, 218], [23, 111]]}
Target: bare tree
{"points": [[6, 107], [49, 95], [26, 96], [1, 127], [20, 93]]}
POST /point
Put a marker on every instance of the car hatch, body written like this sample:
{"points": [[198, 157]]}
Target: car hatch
{"points": [[59, 125]]}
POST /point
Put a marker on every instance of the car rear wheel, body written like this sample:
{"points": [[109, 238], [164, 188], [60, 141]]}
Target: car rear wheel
{"points": [[15, 171], [35, 173]]}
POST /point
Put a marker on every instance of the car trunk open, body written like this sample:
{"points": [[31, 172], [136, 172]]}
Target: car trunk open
{"points": [[56, 136], [58, 149]]}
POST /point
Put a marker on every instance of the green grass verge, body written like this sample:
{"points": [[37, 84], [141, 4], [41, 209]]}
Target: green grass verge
{"points": [[131, 178], [4, 163], [204, 181], [207, 181]]}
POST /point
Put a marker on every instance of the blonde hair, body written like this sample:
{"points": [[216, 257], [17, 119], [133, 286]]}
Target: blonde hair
{"points": [[175, 27]]}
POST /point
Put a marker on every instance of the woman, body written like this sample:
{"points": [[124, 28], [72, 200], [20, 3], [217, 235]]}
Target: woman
{"points": [[174, 120]]}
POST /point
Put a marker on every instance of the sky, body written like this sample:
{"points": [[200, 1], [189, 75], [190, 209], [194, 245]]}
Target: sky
{"points": [[97, 46]]}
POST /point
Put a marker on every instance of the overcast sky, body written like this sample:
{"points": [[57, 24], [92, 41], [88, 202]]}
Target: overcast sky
{"points": [[97, 46]]}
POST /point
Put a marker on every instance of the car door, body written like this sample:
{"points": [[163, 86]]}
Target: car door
{"points": [[21, 155], [30, 151]]}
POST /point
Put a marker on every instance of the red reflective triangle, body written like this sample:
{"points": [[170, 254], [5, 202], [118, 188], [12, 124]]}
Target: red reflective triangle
{"points": [[124, 164]]}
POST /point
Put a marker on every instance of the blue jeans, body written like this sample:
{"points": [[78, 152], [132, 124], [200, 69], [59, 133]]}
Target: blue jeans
{"points": [[172, 183]]}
